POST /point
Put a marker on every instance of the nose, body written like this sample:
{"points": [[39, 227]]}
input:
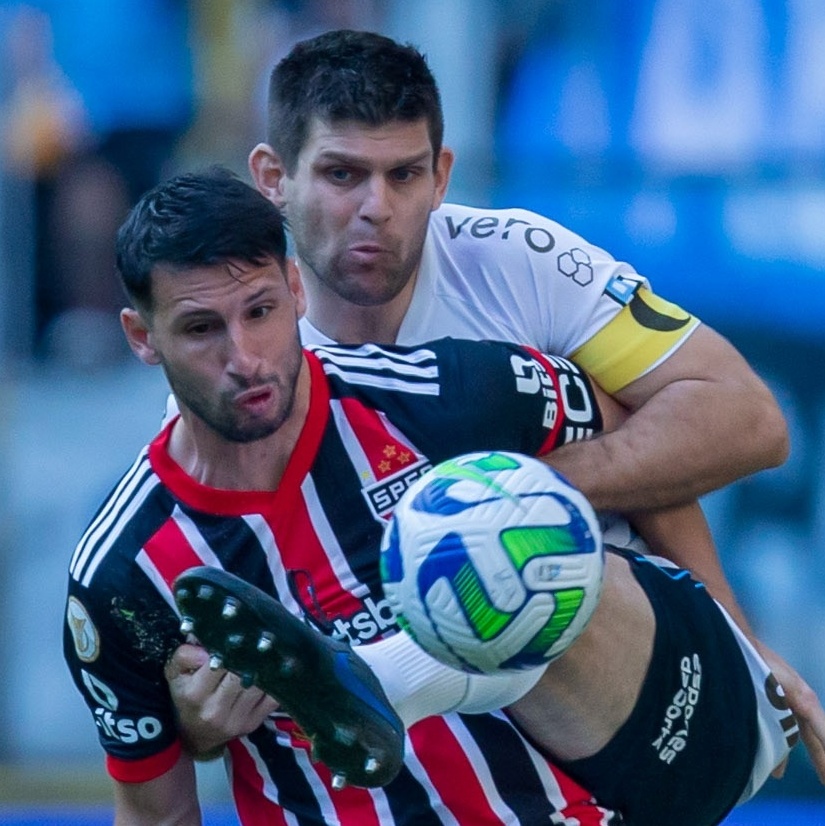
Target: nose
{"points": [[376, 206], [243, 359]]}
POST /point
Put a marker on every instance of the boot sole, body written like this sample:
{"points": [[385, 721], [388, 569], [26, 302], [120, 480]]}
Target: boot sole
{"points": [[328, 690]]}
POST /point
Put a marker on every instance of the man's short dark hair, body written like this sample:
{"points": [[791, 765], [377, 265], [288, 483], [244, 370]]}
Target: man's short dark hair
{"points": [[193, 220], [348, 75]]}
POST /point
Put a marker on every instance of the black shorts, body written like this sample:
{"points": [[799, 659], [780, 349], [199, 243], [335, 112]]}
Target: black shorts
{"points": [[685, 755]]}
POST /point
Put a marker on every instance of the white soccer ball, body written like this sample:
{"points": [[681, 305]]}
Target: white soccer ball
{"points": [[492, 561]]}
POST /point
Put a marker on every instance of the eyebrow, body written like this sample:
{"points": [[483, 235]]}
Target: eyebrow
{"points": [[336, 156], [204, 311]]}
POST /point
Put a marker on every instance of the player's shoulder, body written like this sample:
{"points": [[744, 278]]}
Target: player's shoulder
{"points": [[416, 369], [116, 533]]}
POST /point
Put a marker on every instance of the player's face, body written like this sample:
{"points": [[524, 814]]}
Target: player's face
{"points": [[358, 205], [227, 339]]}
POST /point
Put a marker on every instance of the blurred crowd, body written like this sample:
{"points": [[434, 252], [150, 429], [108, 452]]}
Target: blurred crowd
{"points": [[102, 99]]}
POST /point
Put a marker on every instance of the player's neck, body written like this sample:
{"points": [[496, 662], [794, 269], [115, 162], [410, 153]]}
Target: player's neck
{"points": [[216, 462], [349, 323]]}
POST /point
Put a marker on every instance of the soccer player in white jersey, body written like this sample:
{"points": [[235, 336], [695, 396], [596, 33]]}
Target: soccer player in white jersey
{"points": [[269, 473], [355, 158]]}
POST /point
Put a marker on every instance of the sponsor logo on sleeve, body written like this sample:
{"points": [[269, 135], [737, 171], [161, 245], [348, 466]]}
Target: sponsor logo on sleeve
{"points": [[115, 726]]}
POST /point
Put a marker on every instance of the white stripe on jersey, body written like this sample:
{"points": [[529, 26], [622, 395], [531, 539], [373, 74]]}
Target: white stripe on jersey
{"points": [[198, 544], [577, 434], [263, 533], [124, 489], [383, 382], [415, 372], [109, 527], [481, 768], [329, 542], [372, 351], [195, 538], [417, 770], [399, 436], [145, 563], [319, 789], [268, 789], [351, 443], [376, 363], [548, 779]]}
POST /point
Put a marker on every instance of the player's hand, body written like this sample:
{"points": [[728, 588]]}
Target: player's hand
{"points": [[213, 707], [805, 705]]}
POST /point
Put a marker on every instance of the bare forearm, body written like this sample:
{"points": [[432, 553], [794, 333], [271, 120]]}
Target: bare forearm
{"points": [[168, 800], [696, 424]]}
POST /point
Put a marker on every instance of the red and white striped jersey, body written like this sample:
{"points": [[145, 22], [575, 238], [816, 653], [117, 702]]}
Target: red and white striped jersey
{"points": [[378, 418]]}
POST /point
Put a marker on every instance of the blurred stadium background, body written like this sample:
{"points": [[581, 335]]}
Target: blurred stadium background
{"points": [[684, 136]]}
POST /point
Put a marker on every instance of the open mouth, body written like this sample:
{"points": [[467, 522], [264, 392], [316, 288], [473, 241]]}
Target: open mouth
{"points": [[254, 399]]}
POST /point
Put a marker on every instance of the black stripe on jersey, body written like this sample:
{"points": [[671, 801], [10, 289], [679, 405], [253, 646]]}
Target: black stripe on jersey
{"points": [[295, 793], [409, 802], [120, 506], [237, 547], [407, 799], [415, 371], [511, 768]]}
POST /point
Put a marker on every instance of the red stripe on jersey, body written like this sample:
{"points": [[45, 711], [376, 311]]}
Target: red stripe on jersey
{"points": [[552, 438], [252, 806], [171, 552], [580, 803], [353, 806], [386, 454], [301, 549], [140, 771], [451, 772]]}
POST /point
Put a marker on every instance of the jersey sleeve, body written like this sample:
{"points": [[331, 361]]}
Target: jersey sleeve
{"points": [[115, 651]]}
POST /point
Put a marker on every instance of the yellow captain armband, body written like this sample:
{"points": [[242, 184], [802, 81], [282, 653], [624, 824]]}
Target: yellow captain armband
{"points": [[645, 331]]}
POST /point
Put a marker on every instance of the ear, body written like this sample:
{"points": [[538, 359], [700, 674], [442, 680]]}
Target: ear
{"points": [[296, 286], [443, 168], [138, 335], [268, 173]]}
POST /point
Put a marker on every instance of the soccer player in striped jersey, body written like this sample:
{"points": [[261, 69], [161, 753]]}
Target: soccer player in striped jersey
{"points": [[280, 469]]}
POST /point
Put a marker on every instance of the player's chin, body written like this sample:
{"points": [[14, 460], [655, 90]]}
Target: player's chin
{"points": [[243, 429], [371, 289]]}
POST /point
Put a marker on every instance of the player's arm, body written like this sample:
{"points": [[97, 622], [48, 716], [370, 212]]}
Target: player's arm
{"points": [[605, 470], [701, 418], [680, 532], [212, 706], [168, 800]]}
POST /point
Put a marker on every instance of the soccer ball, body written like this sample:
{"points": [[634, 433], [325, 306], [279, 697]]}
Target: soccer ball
{"points": [[492, 561]]}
